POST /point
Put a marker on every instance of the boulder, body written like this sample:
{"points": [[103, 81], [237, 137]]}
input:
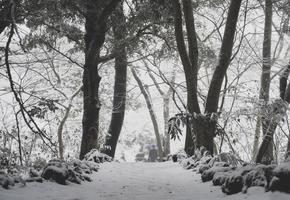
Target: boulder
{"points": [[208, 175], [281, 178]]}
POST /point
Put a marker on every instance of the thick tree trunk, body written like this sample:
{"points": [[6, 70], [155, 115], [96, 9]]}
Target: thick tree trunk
{"points": [[119, 99], [5, 18], [224, 58], [205, 133], [277, 111], [265, 78], [189, 63], [151, 112], [215, 86], [203, 127], [265, 153], [97, 13]]}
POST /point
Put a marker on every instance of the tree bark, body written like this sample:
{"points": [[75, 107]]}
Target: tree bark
{"points": [[189, 63], [267, 125], [119, 99], [207, 127], [166, 101], [62, 123], [5, 15], [97, 13], [274, 116], [203, 126], [265, 78], [256, 138], [151, 112], [224, 57]]}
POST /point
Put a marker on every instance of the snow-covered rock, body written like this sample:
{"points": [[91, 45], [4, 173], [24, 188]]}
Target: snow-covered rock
{"points": [[260, 175], [233, 184], [64, 172], [281, 179], [208, 175]]}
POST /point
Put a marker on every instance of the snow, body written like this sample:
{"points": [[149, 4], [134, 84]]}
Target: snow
{"points": [[135, 181]]}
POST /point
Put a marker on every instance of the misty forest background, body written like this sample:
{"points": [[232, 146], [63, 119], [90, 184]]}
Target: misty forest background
{"points": [[80, 75]]}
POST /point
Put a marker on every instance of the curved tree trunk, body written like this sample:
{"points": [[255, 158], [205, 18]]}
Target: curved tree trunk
{"points": [[151, 112], [215, 86], [166, 101], [62, 123], [119, 99]]}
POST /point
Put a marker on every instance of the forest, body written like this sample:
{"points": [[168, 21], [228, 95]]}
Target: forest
{"points": [[152, 88]]}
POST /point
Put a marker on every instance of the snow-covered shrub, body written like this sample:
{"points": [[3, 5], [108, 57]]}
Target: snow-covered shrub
{"points": [[179, 156], [7, 159], [7, 180], [188, 163], [84, 166], [96, 156], [220, 160], [204, 159], [39, 163]]}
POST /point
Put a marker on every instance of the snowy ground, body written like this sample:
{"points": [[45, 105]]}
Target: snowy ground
{"points": [[135, 181]]}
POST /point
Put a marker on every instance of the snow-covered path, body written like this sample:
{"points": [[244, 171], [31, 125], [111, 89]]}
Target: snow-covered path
{"points": [[135, 181]]}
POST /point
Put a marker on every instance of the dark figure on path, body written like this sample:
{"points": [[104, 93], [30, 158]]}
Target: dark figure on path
{"points": [[152, 154]]}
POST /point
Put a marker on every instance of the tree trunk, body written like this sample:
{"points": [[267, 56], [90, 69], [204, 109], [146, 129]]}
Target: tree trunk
{"points": [[287, 154], [277, 111], [265, 153], [62, 123], [5, 15], [256, 138], [119, 99], [97, 13], [166, 101], [265, 78], [151, 112], [224, 57], [206, 128], [189, 63], [203, 126]]}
